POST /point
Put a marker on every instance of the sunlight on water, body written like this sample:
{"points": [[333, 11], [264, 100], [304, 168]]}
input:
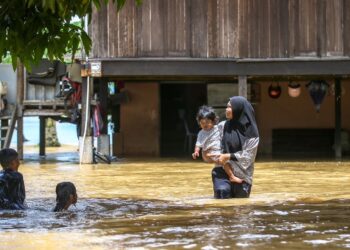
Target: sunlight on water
{"points": [[169, 204]]}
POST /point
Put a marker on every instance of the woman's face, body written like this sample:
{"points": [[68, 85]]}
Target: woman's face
{"points": [[229, 113]]}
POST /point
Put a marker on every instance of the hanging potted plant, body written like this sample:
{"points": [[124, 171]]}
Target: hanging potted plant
{"points": [[294, 89], [274, 91], [317, 90]]}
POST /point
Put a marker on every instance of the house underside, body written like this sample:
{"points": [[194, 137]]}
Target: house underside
{"points": [[160, 89]]}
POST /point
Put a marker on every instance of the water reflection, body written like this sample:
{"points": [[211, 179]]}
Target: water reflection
{"points": [[168, 204]]}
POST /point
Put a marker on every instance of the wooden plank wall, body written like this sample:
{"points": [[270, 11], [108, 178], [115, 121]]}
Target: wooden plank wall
{"points": [[39, 92], [223, 29]]}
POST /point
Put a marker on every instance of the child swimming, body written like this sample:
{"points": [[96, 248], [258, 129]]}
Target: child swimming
{"points": [[66, 195], [12, 189]]}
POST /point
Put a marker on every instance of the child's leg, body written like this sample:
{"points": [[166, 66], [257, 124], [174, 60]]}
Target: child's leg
{"points": [[229, 171], [206, 158]]}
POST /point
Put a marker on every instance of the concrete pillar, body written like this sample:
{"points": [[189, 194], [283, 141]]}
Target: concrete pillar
{"points": [[85, 150]]}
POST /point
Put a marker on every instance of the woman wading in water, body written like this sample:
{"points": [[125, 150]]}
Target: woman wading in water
{"points": [[239, 147]]}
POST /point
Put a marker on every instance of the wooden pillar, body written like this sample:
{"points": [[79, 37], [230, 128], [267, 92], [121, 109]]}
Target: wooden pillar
{"points": [[117, 137], [103, 99], [242, 86], [42, 145], [337, 134], [19, 99], [115, 112]]}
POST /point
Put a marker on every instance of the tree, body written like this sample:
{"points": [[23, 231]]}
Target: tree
{"points": [[30, 29], [51, 140]]}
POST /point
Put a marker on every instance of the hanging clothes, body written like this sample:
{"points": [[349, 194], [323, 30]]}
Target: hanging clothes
{"points": [[98, 123]]}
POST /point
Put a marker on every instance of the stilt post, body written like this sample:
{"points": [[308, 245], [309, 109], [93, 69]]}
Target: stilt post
{"points": [[42, 145], [337, 137], [20, 97]]}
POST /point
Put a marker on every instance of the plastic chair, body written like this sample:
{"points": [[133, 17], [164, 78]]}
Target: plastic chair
{"points": [[190, 137]]}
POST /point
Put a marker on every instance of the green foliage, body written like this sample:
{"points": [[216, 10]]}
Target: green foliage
{"points": [[31, 28], [7, 59]]}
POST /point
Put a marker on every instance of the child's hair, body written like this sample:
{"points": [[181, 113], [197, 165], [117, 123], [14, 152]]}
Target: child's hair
{"points": [[7, 155], [63, 192], [206, 112]]}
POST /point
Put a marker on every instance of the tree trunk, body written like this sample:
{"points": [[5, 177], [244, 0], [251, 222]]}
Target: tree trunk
{"points": [[51, 134]]}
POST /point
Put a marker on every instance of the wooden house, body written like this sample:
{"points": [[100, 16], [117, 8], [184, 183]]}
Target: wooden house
{"points": [[171, 56]]}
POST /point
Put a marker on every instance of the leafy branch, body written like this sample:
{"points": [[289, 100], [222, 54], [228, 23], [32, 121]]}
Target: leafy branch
{"points": [[30, 29]]}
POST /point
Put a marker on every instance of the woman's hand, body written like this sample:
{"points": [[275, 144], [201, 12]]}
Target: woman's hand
{"points": [[221, 158]]}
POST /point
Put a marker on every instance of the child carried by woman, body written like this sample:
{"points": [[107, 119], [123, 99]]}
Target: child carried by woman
{"points": [[209, 139]]}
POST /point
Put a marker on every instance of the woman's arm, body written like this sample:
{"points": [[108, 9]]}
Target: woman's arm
{"points": [[247, 155], [221, 158]]}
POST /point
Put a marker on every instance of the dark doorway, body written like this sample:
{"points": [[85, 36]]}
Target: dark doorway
{"points": [[179, 105]]}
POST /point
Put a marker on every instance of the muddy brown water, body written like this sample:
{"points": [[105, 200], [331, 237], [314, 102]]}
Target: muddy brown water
{"points": [[168, 204]]}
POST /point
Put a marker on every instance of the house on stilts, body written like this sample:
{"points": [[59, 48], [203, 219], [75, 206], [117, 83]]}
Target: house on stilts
{"points": [[154, 64], [171, 56]]}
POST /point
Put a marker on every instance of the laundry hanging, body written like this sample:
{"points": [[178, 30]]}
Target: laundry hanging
{"points": [[98, 123]]}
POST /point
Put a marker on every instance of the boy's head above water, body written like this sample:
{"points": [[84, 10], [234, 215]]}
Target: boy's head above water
{"points": [[66, 195], [9, 159]]}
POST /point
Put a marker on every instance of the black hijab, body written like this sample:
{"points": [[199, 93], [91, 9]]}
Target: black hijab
{"points": [[241, 127]]}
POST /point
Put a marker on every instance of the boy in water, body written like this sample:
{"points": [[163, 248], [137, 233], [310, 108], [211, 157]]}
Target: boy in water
{"points": [[12, 190], [66, 195], [209, 139]]}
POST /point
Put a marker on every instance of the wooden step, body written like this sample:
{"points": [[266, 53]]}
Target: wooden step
{"points": [[4, 128]]}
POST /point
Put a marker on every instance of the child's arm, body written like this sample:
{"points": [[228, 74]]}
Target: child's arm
{"points": [[196, 152], [199, 144]]}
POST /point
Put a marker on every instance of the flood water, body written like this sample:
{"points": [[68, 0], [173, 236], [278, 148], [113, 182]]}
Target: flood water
{"points": [[168, 204]]}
